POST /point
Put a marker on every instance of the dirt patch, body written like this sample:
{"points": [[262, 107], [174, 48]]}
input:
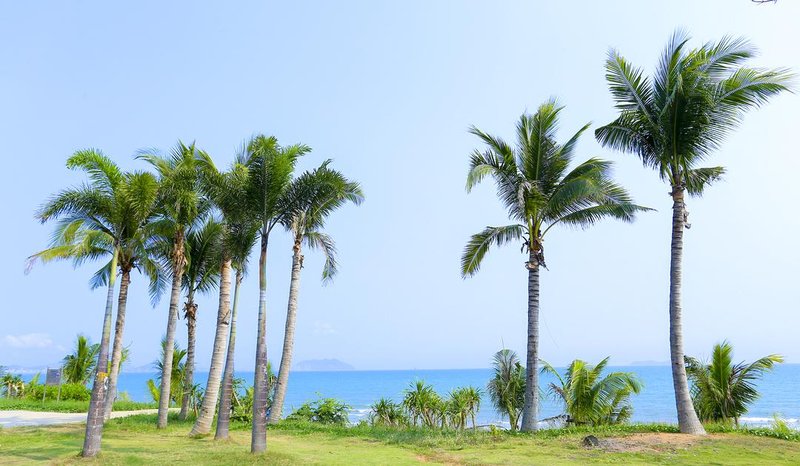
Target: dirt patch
{"points": [[649, 442]]}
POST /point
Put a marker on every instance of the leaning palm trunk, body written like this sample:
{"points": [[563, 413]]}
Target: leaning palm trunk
{"points": [[95, 419], [258, 440], [191, 340], [224, 415], [687, 417], [203, 424], [288, 337], [116, 354], [178, 263], [531, 406]]}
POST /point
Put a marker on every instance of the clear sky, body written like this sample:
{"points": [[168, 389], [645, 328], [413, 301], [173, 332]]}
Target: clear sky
{"points": [[388, 90]]}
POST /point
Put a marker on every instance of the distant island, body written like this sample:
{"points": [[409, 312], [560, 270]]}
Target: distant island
{"points": [[322, 365]]}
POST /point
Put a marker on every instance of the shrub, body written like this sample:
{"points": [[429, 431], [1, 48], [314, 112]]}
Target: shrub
{"points": [[69, 391], [323, 411]]}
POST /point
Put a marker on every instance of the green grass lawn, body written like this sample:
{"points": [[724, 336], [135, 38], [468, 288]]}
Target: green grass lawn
{"points": [[135, 440], [66, 406]]}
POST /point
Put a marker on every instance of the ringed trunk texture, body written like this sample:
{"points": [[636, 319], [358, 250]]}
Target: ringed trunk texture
{"points": [[191, 341], [258, 440], [224, 414], [97, 404], [178, 264], [688, 421], [531, 406], [203, 424], [116, 353], [276, 409]]}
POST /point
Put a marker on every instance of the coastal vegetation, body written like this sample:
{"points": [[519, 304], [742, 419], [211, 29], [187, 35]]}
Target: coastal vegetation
{"points": [[187, 226]]}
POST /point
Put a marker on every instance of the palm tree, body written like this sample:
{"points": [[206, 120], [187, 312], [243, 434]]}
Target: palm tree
{"points": [[721, 391], [240, 239], [270, 174], [92, 219], [78, 366], [201, 275], [177, 380], [539, 193], [12, 384], [181, 206], [386, 412], [311, 198], [507, 387], [673, 121], [589, 398], [422, 402], [226, 190], [464, 403]]}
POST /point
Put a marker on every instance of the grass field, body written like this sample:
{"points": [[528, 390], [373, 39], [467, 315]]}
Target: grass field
{"points": [[66, 406], [135, 440]]}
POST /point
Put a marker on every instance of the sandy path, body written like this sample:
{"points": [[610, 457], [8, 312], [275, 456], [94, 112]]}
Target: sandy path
{"points": [[19, 418]]}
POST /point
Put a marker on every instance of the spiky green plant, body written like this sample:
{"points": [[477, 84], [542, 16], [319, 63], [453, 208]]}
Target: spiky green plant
{"points": [[78, 365], [506, 388], [721, 390]]}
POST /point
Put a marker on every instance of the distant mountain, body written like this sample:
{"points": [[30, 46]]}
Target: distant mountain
{"points": [[650, 363], [322, 365]]}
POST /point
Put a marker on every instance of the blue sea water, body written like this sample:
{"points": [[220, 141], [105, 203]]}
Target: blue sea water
{"points": [[780, 391]]}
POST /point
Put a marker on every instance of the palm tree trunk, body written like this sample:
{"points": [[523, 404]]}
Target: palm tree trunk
{"points": [[97, 406], [531, 406], [288, 337], [178, 264], [687, 417], [203, 424], [116, 353], [224, 414], [258, 440], [191, 337]]}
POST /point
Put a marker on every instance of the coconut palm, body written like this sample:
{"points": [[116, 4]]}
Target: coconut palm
{"points": [[673, 121], [201, 275], [181, 206], [78, 365], [535, 186], [92, 222], [310, 199], [177, 378], [507, 387], [241, 237], [589, 397], [722, 390], [226, 190], [270, 173]]}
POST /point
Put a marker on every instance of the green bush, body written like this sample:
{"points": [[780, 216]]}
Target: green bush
{"points": [[69, 391], [323, 411]]}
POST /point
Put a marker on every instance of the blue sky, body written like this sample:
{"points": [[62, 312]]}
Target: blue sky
{"points": [[388, 90]]}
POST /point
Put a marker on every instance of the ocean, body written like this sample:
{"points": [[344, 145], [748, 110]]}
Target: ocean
{"points": [[780, 391]]}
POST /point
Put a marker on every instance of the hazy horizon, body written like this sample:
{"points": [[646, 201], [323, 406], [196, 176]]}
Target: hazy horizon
{"points": [[388, 91]]}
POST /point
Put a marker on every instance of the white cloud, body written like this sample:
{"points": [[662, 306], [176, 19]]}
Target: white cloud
{"points": [[323, 328], [29, 340]]}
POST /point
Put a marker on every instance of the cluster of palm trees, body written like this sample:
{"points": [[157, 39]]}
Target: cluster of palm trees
{"points": [[423, 406], [672, 120], [186, 225]]}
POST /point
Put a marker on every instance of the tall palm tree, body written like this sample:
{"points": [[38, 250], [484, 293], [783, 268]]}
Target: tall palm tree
{"points": [[535, 186], [311, 198], [227, 191], [181, 205], [507, 387], [722, 390], [92, 218], [79, 364], [270, 174], [673, 121], [201, 275], [240, 239], [591, 398]]}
